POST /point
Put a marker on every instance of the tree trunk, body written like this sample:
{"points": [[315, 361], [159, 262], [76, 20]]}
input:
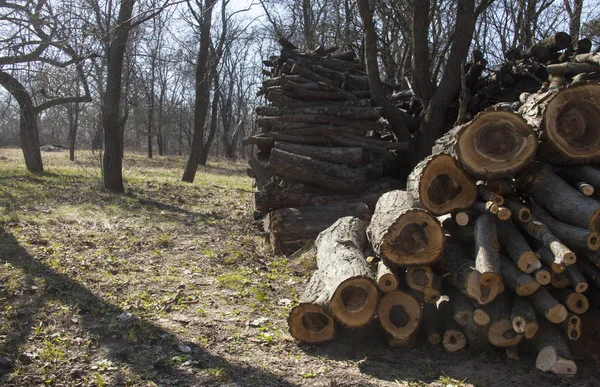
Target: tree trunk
{"points": [[112, 162], [349, 287], [495, 144], [440, 186], [28, 124], [402, 234], [213, 125]]}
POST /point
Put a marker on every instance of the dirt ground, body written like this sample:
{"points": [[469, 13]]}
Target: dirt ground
{"points": [[171, 284]]}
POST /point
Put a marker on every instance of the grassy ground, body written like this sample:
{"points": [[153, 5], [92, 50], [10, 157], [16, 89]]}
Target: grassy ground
{"points": [[171, 284]]}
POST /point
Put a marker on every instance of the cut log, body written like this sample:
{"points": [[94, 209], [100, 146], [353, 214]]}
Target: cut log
{"points": [[463, 309], [461, 233], [503, 213], [361, 125], [349, 112], [584, 46], [517, 248], [575, 302], [431, 326], [352, 157], [500, 331], [308, 321], [556, 42], [543, 275], [548, 306], [584, 173], [402, 234], [387, 279], [559, 280], [261, 174], [459, 271], [572, 327], [538, 230], [440, 186], [291, 228], [517, 210], [502, 187], [541, 53], [523, 317], [400, 315], [487, 207], [576, 279], [575, 237], [565, 120], [488, 195], [424, 283], [453, 339], [549, 259], [496, 144], [473, 321], [570, 68], [350, 289], [589, 270], [520, 283], [487, 261], [307, 170], [553, 352], [584, 188]]}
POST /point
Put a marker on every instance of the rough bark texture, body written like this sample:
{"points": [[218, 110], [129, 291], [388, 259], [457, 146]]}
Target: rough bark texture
{"points": [[548, 306], [453, 338], [352, 157], [402, 234], [523, 317], [348, 282], [440, 186], [348, 112], [565, 121], [576, 279], [291, 228], [575, 302], [517, 247], [487, 261], [496, 144], [431, 326], [519, 282], [549, 259], [500, 331], [553, 352], [562, 254], [517, 210]]}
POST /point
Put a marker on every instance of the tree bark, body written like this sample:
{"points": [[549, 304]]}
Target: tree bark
{"points": [[453, 338], [487, 260], [548, 306], [517, 248], [352, 157], [500, 331], [387, 279], [523, 317], [543, 275], [520, 283], [553, 352], [575, 302]]}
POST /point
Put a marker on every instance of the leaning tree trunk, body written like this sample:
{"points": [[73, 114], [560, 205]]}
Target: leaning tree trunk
{"points": [[30, 143], [495, 144], [402, 234], [566, 121]]}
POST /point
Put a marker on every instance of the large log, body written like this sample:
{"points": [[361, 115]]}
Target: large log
{"points": [[517, 247], [292, 228], [575, 237], [402, 234], [400, 315], [523, 317], [500, 331], [361, 126], [349, 286], [440, 186], [565, 120], [336, 177], [556, 42], [496, 144], [563, 201], [553, 352], [308, 321], [487, 260], [350, 112], [352, 157]]}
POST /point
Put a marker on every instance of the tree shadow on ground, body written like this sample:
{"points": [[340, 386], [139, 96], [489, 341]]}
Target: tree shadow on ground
{"points": [[140, 354]]}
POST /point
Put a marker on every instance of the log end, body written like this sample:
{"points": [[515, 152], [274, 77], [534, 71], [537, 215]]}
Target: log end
{"points": [[577, 303], [399, 314], [593, 241], [528, 288], [502, 334], [481, 317], [549, 361], [542, 276], [434, 338], [309, 323], [387, 283], [528, 262], [454, 340], [556, 314], [354, 302]]}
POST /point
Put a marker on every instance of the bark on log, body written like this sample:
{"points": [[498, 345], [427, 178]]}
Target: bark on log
{"points": [[549, 259], [461, 233], [548, 306], [559, 280], [402, 234], [424, 283], [520, 283], [261, 173], [349, 285], [349, 112], [572, 327], [361, 125], [473, 321], [543, 275], [463, 309], [400, 315], [453, 338], [308, 321], [488, 195], [562, 254], [292, 228], [584, 46], [459, 271], [496, 144], [523, 317], [517, 247], [500, 331], [541, 53], [352, 157], [431, 326], [589, 270], [517, 210], [565, 121], [487, 207], [487, 260], [575, 237], [570, 68], [576, 279], [556, 42], [440, 186], [307, 170], [583, 173], [387, 279], [575, 302], [553, 352]]}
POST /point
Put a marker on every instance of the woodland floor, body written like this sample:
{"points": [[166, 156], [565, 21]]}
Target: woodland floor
{"points": [[172, 284]]}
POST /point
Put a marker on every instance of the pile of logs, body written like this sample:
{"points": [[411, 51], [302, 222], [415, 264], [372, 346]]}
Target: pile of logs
{"points": [[493, 242], [322, 148]]}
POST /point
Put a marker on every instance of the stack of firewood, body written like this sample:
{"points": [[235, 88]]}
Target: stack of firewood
{"points": [[322, 148], [495, 239]]}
